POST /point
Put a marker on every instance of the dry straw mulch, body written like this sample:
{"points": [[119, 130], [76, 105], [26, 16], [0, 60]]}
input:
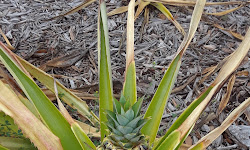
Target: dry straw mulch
{"points": [[67, 47]]}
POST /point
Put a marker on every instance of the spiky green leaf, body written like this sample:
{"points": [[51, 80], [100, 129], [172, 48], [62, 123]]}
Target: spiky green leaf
{"points": [[134, 122], [48, 112], [66, 95], [171, 142], [129, 114], [122, 100], [105, 78], [157, 105], [124, 129], [83, 139], [137, 107], [117, 106], [122, 120]]}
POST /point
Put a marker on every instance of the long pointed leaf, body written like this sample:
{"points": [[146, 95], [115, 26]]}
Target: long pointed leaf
{"points": [[66, 95], [48, 112], [77, 8], [222, 13], [120, 10], [184, 115], [192, 2], [209, 138], [82, 138], [227, 69], [157, 105], [167, 13], [129, 89], [171, 142], [104, 66], [187, 119], [33, 128], [142, 4], [7, 40]]}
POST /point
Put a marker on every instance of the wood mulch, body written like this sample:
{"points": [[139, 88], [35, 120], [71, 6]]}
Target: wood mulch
{"points": [[67, 48]]}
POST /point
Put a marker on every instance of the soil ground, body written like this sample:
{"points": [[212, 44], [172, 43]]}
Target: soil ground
{"points": [[67, 48]]}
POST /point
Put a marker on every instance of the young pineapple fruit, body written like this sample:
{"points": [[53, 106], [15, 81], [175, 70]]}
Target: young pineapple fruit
{"points": [[125, 123]]}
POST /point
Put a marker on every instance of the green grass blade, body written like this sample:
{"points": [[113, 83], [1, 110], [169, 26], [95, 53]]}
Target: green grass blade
{"points": [[48, 112], [157, 105], [129, 89], [66, 95], [104, 66], [83, 139]]}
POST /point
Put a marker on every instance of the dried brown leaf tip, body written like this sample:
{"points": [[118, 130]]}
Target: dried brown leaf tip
{"points": [[7, 40], [226, 97], [62, 61]]}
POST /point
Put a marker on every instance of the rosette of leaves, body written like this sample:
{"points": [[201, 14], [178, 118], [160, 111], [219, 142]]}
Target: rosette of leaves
{"points": [[125, 123]]}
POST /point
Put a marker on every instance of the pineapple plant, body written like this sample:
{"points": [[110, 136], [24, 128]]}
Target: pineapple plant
{"points": [[121, 124], [125, 123]]}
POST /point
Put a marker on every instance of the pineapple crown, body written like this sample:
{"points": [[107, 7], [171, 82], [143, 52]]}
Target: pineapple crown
{"points": [[125, 123]]}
